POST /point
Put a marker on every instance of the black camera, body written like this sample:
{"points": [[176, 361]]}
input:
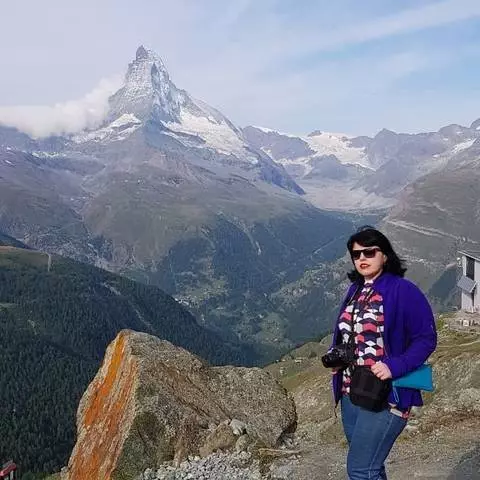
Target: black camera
{"points": [[341, 356]]}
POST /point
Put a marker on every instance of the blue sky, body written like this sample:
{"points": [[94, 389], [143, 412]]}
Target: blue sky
{"points": [[345, 66]]}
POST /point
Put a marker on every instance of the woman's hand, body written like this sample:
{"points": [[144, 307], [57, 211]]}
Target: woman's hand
{"points": [[381, 370], [335, 370]]}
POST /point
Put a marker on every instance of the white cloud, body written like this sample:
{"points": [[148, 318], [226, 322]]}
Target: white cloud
{"points": [[62, 118]]}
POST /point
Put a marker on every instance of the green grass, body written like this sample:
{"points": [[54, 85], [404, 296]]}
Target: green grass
{"points": [[294, 380]]}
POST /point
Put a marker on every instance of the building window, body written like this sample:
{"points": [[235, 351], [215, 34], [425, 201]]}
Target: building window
{"points": [[470, 268]]}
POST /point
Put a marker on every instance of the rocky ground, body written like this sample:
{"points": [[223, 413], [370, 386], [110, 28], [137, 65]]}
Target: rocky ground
{"points": [[441, 441], [443, 454], [218, 466], [442, 438]]}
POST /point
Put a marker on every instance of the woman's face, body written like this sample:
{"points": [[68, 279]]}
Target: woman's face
{"points": [[370, 267]]}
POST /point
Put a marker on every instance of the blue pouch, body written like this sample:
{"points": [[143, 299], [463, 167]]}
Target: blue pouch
{"points": [[421, 379]]}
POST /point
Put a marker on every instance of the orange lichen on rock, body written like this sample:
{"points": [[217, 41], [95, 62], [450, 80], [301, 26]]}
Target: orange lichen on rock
{"points": [[152, 401], [103, 416]]}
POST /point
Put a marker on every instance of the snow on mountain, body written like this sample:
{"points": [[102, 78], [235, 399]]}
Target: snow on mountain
{"points": [[300, 151], [216, 134], [275, 132], [117, 130], [325, 143], [462, 146]]}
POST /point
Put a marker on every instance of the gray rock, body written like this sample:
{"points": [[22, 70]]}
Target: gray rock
{"points": [[218, 466], [242, 443], [168, 398], [238, 427], [222, 438]]}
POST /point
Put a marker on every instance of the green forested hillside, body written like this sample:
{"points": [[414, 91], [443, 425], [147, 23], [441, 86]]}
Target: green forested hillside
{"points": [[56, 317]]}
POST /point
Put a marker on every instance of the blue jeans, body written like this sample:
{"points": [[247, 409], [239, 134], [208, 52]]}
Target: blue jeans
{"points": [[370, 437]]}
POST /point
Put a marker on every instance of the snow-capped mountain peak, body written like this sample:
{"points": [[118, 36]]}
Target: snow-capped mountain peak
{"points": [[147, 89], [152, 107], [148, 94]]}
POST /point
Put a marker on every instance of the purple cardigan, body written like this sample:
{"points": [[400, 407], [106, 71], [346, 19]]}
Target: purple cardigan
{"points": [[410, 334]]}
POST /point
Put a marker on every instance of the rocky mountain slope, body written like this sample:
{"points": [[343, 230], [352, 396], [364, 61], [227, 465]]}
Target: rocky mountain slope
{"points": [[170, 192], [431, 182], [437, 216]]}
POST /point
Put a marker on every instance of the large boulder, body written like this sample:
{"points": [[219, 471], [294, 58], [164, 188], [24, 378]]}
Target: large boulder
{"points": [[152, 402]]}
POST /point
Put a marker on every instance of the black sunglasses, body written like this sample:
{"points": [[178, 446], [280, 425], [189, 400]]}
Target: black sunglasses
{"points": [[367, 252]]}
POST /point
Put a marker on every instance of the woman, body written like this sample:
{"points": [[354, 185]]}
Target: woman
{"points": [[394, 333]]}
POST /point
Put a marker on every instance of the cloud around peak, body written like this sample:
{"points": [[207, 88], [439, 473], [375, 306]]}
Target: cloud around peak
{"points": [[62, 118]]}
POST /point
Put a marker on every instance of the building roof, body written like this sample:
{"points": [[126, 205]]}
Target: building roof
{"points": [[471, 253], [466, 284]]}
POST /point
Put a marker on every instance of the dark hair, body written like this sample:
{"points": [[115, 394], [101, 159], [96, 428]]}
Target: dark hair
{"points": [[368, 236]]}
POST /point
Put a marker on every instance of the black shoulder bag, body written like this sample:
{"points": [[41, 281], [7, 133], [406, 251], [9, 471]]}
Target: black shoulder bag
{"points": [[366, 389]]}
